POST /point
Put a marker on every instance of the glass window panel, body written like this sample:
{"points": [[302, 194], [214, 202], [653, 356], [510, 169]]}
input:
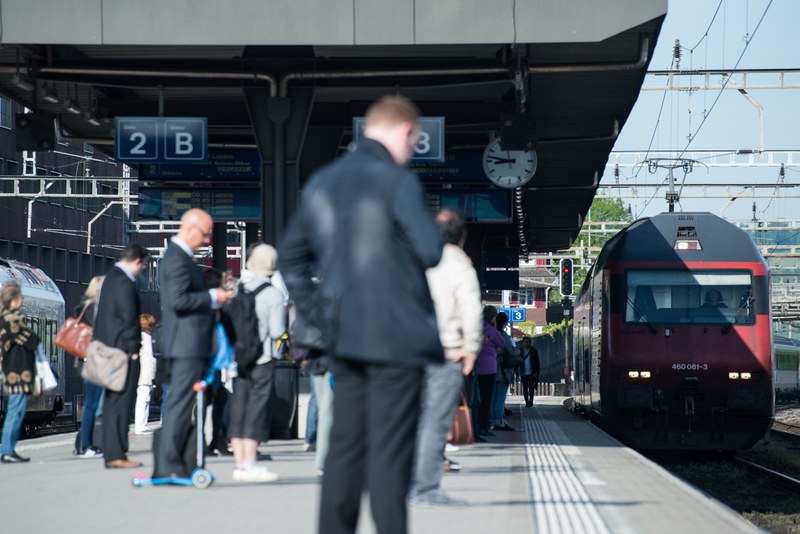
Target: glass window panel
{"points": [[706, 297]]}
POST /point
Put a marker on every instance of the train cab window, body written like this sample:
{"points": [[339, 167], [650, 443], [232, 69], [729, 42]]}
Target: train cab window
{"points": [[701, 297]]}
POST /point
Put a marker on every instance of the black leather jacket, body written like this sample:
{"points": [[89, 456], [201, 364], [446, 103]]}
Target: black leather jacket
{"points": [[363, 226]]}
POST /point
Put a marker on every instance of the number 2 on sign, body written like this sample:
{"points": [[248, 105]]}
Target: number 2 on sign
{"points": [[142, 139]]}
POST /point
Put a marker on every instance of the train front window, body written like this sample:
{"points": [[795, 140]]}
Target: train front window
{"points": [[701, 297]]}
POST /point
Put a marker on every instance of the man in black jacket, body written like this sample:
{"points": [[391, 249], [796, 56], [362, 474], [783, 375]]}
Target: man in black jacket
{"points": [[364, 228], [117, 325], [186, 304]]}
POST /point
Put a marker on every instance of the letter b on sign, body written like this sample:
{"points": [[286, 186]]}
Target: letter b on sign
{"points": [[185, 139]]}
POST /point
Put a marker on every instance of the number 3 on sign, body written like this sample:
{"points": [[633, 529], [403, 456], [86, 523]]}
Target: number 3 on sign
{"points": [[423, 145]]}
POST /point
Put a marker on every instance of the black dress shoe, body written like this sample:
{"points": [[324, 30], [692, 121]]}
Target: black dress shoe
{"points": [[13, 459], [479, 439], [506, 427], [487, 433]]}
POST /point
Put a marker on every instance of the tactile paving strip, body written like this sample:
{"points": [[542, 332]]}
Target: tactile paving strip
{"points": [[560, 501]]}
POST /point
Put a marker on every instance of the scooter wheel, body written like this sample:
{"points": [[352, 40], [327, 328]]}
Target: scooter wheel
{"points": [[137, 482], [202, 478]]}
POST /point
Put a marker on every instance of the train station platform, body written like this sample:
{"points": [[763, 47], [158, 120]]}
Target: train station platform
{"points": [[558, 473]]}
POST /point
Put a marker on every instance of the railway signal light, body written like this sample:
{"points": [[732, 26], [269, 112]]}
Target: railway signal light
{"points": [[565, 278]]}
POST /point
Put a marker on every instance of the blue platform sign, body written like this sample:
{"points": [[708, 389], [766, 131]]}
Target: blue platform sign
{"points": [[223, 204], [515, 315], [161, 139], [430, 146]]}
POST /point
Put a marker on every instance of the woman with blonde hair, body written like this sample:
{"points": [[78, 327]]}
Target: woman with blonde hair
{"points": [[146, 375], [92, 394], [18, 361]]}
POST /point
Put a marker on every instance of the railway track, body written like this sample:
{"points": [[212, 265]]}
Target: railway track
{"points": [[778, 479]]}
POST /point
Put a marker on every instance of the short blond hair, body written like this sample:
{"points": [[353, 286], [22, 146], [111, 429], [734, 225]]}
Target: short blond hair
{"points": [[392, 110], [147, 322]]}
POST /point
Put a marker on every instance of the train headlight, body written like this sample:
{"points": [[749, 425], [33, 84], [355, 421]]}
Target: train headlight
{"points": [[746, 376], [688, 244], [633, 374], [733, 376], [645, 374]]}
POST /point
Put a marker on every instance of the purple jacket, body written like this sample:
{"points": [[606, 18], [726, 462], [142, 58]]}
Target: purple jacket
{"points": [[487, 358]]}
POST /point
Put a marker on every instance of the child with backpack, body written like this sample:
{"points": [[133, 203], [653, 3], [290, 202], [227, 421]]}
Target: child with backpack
{"points": [[257, 315]]}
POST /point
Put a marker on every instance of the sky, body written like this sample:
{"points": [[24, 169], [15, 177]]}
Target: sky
{"points": [[732, 123]]}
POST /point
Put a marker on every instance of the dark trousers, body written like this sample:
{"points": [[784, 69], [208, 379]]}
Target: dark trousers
{"points": [[530, 383], [486, 387], [177, 421], [375, 412], [117, 408]]}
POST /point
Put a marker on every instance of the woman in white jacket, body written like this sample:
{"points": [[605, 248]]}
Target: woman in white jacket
{"points": [[146, 375]]}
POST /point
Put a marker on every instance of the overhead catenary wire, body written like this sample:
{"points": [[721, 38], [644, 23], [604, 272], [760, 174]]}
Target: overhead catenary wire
{"points": [[706, 115]]}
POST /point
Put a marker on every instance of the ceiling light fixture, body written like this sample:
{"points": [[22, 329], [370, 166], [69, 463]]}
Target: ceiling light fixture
{"points": [[72, 106], [23, 82], [48, 95]]}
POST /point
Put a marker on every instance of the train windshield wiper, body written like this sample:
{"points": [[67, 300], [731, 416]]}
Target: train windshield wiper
{"points": [[642, 318]]}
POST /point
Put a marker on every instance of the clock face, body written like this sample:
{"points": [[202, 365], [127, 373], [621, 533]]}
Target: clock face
{"points": [[508, 168]]}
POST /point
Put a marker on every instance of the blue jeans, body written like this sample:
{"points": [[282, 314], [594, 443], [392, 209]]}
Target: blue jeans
{"points": [[440, 392], [92, 404], [15, 413], [313, 413], [499, 403]]}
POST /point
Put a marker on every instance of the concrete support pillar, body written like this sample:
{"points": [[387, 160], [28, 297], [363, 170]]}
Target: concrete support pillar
{"points": [[280, 125], [219, 244]]}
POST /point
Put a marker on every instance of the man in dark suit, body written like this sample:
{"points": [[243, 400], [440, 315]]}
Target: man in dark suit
{"points": [[117, 325], [187, 327], [364, 228]]}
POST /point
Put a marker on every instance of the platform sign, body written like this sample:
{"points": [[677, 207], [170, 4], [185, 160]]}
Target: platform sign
{"points": [[225, 165], [161, 139], [222, 204], [515, 315], [430, 146], [500, 268]]}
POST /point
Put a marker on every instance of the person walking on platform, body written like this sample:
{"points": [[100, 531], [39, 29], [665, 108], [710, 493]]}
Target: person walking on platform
{"points": [[92, 394], [507, 360], [117, 325], [188, 325], [146, 375], [363, 227], [493, 344], [18, 362], [252, 389], [530, 370], [457, 297]]}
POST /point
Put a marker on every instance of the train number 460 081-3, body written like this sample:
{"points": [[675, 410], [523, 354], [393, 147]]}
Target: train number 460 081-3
{"points": [[690, 366]]}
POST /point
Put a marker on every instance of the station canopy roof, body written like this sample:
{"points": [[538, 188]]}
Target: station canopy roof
{"points": [[582, 63]]}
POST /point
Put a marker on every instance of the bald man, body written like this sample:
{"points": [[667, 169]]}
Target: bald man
{"points": [[186, 304]]}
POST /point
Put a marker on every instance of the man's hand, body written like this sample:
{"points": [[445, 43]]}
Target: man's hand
{"points": [[224, 295], [466, 363], [135, 356]]}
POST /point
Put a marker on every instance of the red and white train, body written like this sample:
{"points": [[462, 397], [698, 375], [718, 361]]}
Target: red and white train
{"points": [[672, 336]]}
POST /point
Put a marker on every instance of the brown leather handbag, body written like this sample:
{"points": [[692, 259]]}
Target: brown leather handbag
{"points": [[462, 424], [74, 336]]}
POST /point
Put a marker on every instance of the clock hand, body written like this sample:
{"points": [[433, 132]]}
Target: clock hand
{"points": [[502, 160]]}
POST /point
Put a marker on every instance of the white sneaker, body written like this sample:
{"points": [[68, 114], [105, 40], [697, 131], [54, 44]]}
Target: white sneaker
{"points": [[143, 432], [91, 452], [449, 447], [257, 473]]}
